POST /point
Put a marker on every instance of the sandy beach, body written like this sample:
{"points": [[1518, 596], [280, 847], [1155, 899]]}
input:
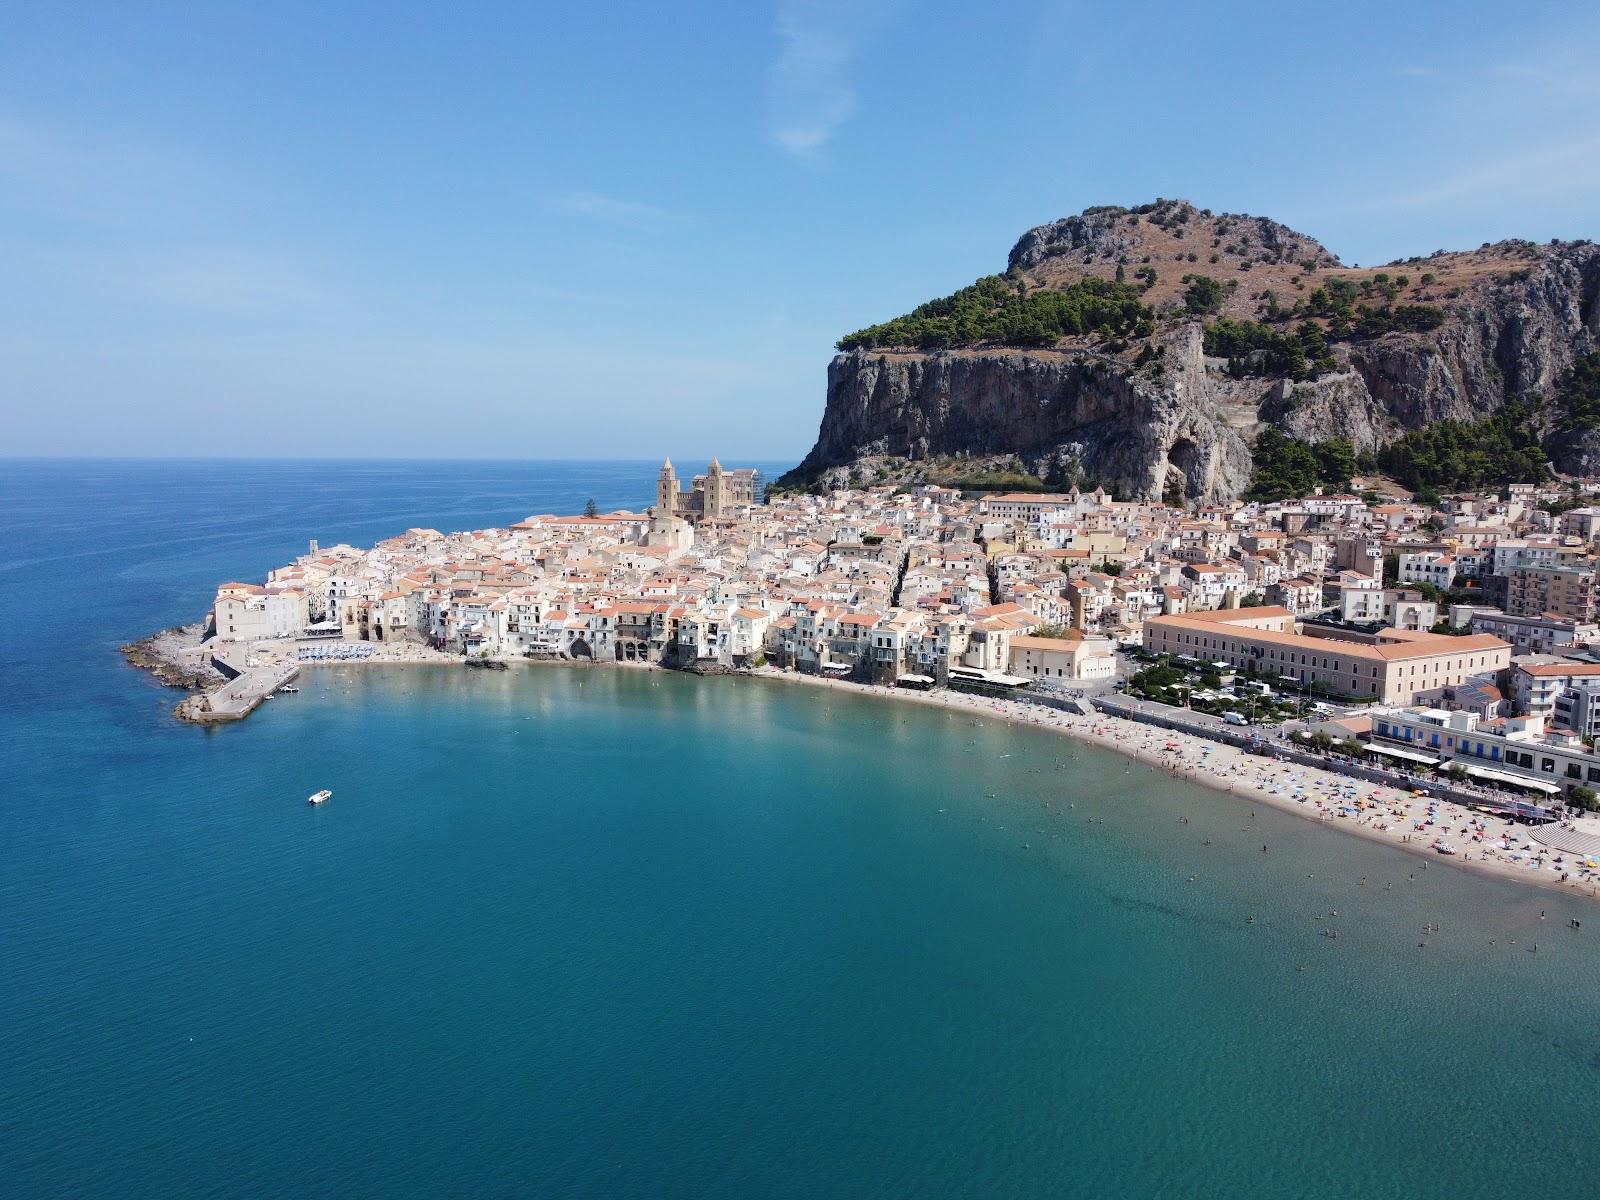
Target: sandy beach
{"points": [[1408, 822]]}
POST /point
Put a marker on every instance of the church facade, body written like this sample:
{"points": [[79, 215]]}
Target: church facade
{"points": [[710, 497]]}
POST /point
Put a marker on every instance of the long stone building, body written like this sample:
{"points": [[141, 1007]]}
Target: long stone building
{"points": [[1392, 669]]}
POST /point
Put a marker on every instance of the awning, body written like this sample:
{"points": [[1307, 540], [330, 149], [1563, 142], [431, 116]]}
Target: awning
{"points": [[1431, 760], [1549, 789], [915, 679], [978, 675], [845, 668]]}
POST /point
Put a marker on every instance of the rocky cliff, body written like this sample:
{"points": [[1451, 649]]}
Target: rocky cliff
{"points": [[1152, 415]]}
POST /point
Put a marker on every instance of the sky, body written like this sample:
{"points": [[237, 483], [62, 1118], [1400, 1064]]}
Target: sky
{"points": [[617, 230]]}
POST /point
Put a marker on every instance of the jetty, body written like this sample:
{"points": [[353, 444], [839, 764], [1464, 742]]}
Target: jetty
{"points": [[249, 682]]}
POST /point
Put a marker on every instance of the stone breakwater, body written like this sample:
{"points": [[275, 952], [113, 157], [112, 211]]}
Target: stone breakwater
{"points": [[240, 696], [228, 680]]}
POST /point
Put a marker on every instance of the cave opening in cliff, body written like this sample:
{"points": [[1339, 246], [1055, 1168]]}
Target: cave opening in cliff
{"points": [[1181, 462]]}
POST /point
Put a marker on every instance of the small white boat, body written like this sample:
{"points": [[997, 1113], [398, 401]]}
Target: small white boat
{"points": [[288, 689], [318, 797]]}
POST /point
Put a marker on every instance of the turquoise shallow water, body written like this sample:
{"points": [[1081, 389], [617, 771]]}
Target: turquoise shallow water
{"points": [[565, 932]]}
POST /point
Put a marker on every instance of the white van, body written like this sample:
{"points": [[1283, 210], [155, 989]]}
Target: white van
{"points": [[1233, 718]]}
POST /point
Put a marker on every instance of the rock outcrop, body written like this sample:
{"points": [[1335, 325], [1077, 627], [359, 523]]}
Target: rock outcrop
{"points": [[171, 657], [1155, 417], [1063, 414]]}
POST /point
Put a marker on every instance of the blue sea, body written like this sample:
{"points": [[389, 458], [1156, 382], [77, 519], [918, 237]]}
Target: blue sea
{"points": [[574, 933]]}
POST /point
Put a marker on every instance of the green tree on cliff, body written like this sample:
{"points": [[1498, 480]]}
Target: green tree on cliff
{"points": [[1204, 294], [1580, 393]]}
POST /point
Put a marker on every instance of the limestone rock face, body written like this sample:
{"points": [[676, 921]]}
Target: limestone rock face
{"points": [[1170, 421], [1577, 452], [1336, 405], [1063, 414]]}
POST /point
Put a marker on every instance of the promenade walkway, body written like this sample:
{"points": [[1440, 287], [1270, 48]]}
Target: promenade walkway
{"points": [[1273, 740], [1572, 837]]}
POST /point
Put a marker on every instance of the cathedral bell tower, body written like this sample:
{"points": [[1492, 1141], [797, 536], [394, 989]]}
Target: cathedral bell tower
{"points": [[716, 491], [667, 489]]}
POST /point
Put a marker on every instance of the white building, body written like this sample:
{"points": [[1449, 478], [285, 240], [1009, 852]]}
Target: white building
{"points": [[1075, 659], [1430, 567], [248, 612]]}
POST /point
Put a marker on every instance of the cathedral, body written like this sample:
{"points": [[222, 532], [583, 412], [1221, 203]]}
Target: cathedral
{"points": [[710, 497]]}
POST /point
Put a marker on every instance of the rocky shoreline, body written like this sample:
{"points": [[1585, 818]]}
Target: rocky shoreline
{"points": [[173, 657]]}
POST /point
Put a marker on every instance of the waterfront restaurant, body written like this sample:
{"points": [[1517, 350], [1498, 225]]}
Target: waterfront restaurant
{"points": [[1504, 750]]}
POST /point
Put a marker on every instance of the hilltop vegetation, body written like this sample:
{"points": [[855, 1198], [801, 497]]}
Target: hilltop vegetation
{"points": [[1287, 467], [1506, 447], [1579, 394], [1252, 348], [1336, 301], [1445, 456], [1003, 311], [1105, 275], [1501, 449]]}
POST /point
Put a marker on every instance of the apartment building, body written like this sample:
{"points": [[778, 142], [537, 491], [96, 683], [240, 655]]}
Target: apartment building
{"points": [[1535, 681], [1428, 567], [1578, 708], [1542, 634], [1566, 591]]}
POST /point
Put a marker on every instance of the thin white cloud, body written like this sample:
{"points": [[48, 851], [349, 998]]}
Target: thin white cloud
{"points": [[194, 280], [108, 180], [563, 295], [1516, 177], [1561, 78], [133, 222], [609, 208], [228, 278], [1492, 143], [809, 92]]}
